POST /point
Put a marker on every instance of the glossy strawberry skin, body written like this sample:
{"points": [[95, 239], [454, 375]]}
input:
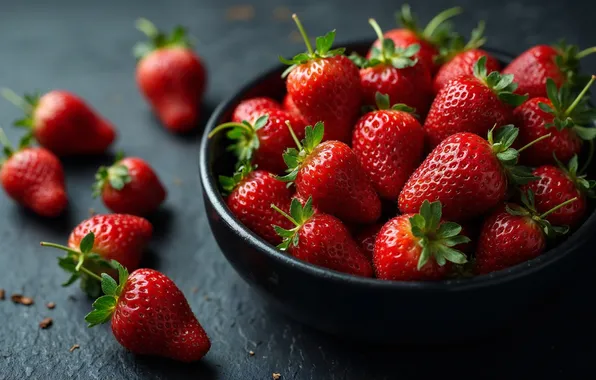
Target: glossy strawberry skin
{"points": [[34, 178], [397, 253], [465, 105], [246, 109], [173, 81], [289, 105], [152, 317], [531, 121], [118, 237], [402, 38], [553, 188], [507, 240], [142, 196], [251, 203], [64, 124], [327, 90], [463, 64], [338, 185], [324, 241], [462, 173], [531, 69], [389, 145], [366, 238]]}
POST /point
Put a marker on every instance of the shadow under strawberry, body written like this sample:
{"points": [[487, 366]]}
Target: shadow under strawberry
{"points": [[150, 259], [161, 220], [60, 225], [163, 367], [80, 165]]}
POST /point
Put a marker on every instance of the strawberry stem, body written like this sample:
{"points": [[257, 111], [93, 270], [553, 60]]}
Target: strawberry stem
{"points": [[294, 135], [378, 31], [589, 159], [15, 99], [286, 215], [558, 207], [432, 26], [304, 35], [74, 252], [147, 27], [586, 52], [580, 96], [89, 273], [223, 126], [533, 142]]}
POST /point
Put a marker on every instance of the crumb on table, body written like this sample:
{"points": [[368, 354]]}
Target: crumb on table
{"points": [[2, 294], [74, 347], [240, 13], [51, 305], [19, 298], [276, 376], [46, 323]]}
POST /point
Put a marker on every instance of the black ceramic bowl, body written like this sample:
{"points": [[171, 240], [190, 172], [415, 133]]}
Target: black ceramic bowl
{"points": [[370, 309]]}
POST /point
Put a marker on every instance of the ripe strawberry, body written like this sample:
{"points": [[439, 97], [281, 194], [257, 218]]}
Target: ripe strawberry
{"points": [[129, 186], [514, 234], [63, 123], [565, 119], [415, 247], [366, 239], [532, 67], [170, 76], [250, 194], [98, 240], [467, 174], [394, 72], [331, 174], [389, 143], [288, 105], [33, 177], [325, 86], [472, 104], [246, 109], [149, 315], [322, 240]]}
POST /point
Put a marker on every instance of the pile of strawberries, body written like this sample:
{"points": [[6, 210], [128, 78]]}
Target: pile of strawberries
{"points": [[423, 160]]}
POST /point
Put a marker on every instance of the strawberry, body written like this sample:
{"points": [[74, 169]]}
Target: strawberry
{"points": [[394, 72], [171, 76], [149, 315], [558, 184], [366, 238], [435, 35], [565, 119], [389, 143], [415, 247], [33, 177], [532, 67], [322, 240], [288, 105], [325, 86], [331, 174], [467, 174], [246, 109], [63, 123], [472, 104], [129, 186], [250, 194], [513, 234], [98, 240]]}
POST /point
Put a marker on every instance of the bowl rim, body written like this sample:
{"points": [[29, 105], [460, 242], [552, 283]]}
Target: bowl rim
{"points": [[211, 190]]}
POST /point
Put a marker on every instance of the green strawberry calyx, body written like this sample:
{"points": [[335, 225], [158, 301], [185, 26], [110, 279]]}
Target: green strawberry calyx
{"points": [[116, 176], [7, 148], [158, 39], [501, 84], [437, 238], [245, 136], [574, 113], [586, 186], [298, 216], [104, 306], [323, 48], [28, 103], [228, 184], [295, 157], [383, 103], [457, 44], [567, 60], [436, 32]]}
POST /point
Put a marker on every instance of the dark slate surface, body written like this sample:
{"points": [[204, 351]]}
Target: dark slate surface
{"points": [[86, 48]]}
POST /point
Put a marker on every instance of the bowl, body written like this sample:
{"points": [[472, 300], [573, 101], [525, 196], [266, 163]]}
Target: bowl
{"points": [[369, 309]]}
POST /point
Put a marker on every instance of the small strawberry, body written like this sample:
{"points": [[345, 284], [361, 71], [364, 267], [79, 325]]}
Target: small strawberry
{"points": [[288, 105], [389, 143], [415, 247], [565, 119], [129, 186], [514, 234], [331, 174], [98, 240], [325, 86], [472, 104], [33, 177], [322, 240], [366, 238], [63, 123], [171, 76], [560, 63], [246, 109], [250, 194]]}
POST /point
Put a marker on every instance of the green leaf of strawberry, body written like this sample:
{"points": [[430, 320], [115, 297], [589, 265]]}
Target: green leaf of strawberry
{"points": [[293, 157], [158, 39], [117, 176], [245, 134], [456, 44], [298, 216], [502, 85], [104, 306], [437, 31], [228, 184], [383, 103]]}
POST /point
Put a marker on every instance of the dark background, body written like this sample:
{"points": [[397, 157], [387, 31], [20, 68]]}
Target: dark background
{"points": [[85, 47]]}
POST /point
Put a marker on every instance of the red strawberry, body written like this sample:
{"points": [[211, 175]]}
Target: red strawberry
{"points": [[129, 186], [565, 119], [532, 67], [250, 195], [322, 240], [63, 123], [471, 104], [331, 174], [415, 247], [150, 316], [100, 239], [246, 109], [467, 174], [288, 105], [33, 177], [389, 143], [325, 86], [366, 239], [170, 76]]}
